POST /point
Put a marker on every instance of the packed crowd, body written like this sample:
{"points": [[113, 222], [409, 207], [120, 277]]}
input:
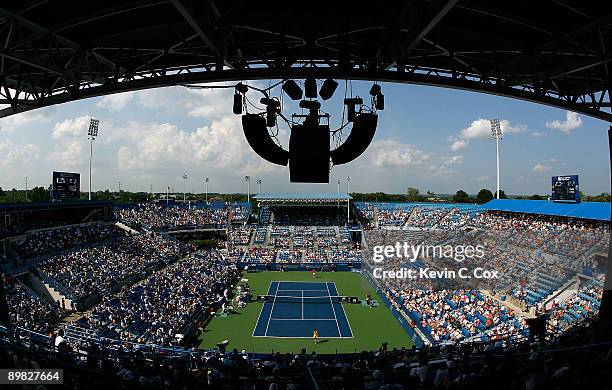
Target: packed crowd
{"points": [[41, 242], [288, 237], [155, 310], [267, 255], [26, 309], [573, 361], [388, 214], [426, 217], [81, 273], [582, 305], [456, 315], [240, 235], [160, 217]]}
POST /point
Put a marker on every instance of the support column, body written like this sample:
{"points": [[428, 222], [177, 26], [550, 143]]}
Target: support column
{"points": [[605, 310]]}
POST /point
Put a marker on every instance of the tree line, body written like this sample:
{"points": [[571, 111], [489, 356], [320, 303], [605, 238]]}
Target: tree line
{"points": [[41, 194]]}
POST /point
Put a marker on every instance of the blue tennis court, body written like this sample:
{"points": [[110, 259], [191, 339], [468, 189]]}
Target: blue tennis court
{"points": [[297, 308]]}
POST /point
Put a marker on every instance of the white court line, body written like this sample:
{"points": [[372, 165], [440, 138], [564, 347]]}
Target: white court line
{"points": [[297, 319], [305, 337], [302, 304], [334, 309], [271, 311], [303, 319], [261, 311], [345, 316]]}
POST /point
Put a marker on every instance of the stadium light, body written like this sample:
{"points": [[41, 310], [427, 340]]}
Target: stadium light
{"points": [[184, 187], [92, 133], [206, 181], [248, 180], [496, 132], [167, 196], [259, 186], [348, 191]]}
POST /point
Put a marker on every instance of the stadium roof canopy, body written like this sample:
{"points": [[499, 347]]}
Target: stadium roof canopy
{"points": [[586, 210], [556, 52], [278, 197]]}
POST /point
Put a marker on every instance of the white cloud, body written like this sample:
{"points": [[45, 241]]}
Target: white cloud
{"points": [[541, 167], [9, 124], [458, 144], [482, 178], [72, 127], [446, 166], [68, 153], [481, 129], [150, 145], [13, 154], [69, 137], [391, 153], [116, 102], [209, 104], [572, 121], [453, 160]]}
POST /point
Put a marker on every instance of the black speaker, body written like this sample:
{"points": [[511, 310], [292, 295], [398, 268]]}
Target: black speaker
{"points": [[309, 154], [358, 141], [257, 136]]}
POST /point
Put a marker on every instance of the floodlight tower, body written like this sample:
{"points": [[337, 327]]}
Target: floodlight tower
{"points": [[92, 133], [184, 187], [348, 191], [496, 132], [206, 181], [259, 186], [248, 180]]}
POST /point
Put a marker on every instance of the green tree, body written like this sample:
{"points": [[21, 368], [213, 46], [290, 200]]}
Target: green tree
{"points": [[603, 197], [461, 197], [502, 194], [2, 193], [413, 194], [535, 197], [484, 196], [39, 194]]}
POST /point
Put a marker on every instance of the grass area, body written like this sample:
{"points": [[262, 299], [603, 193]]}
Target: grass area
{"points": [[370, 326]]}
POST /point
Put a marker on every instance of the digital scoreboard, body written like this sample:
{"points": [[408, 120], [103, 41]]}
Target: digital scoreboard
{"points": [[565, 189], [66, 185]]}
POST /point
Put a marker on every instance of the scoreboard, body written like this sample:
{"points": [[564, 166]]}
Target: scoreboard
{"points": [[565, 189], [66, 185]]}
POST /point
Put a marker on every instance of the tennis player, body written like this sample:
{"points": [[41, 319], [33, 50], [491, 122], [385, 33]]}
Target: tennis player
{"points": [[315, 336]]}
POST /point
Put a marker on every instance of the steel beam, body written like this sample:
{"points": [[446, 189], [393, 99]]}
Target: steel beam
{"points": [[265, 73]]}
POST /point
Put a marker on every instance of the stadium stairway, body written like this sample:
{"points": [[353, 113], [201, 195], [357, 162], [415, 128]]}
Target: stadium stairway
{"points": [[126, 228], [49, 293], [413, 212]]}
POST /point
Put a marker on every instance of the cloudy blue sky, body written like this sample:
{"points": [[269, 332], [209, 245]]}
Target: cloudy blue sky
{"points": [[430, 138]]}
